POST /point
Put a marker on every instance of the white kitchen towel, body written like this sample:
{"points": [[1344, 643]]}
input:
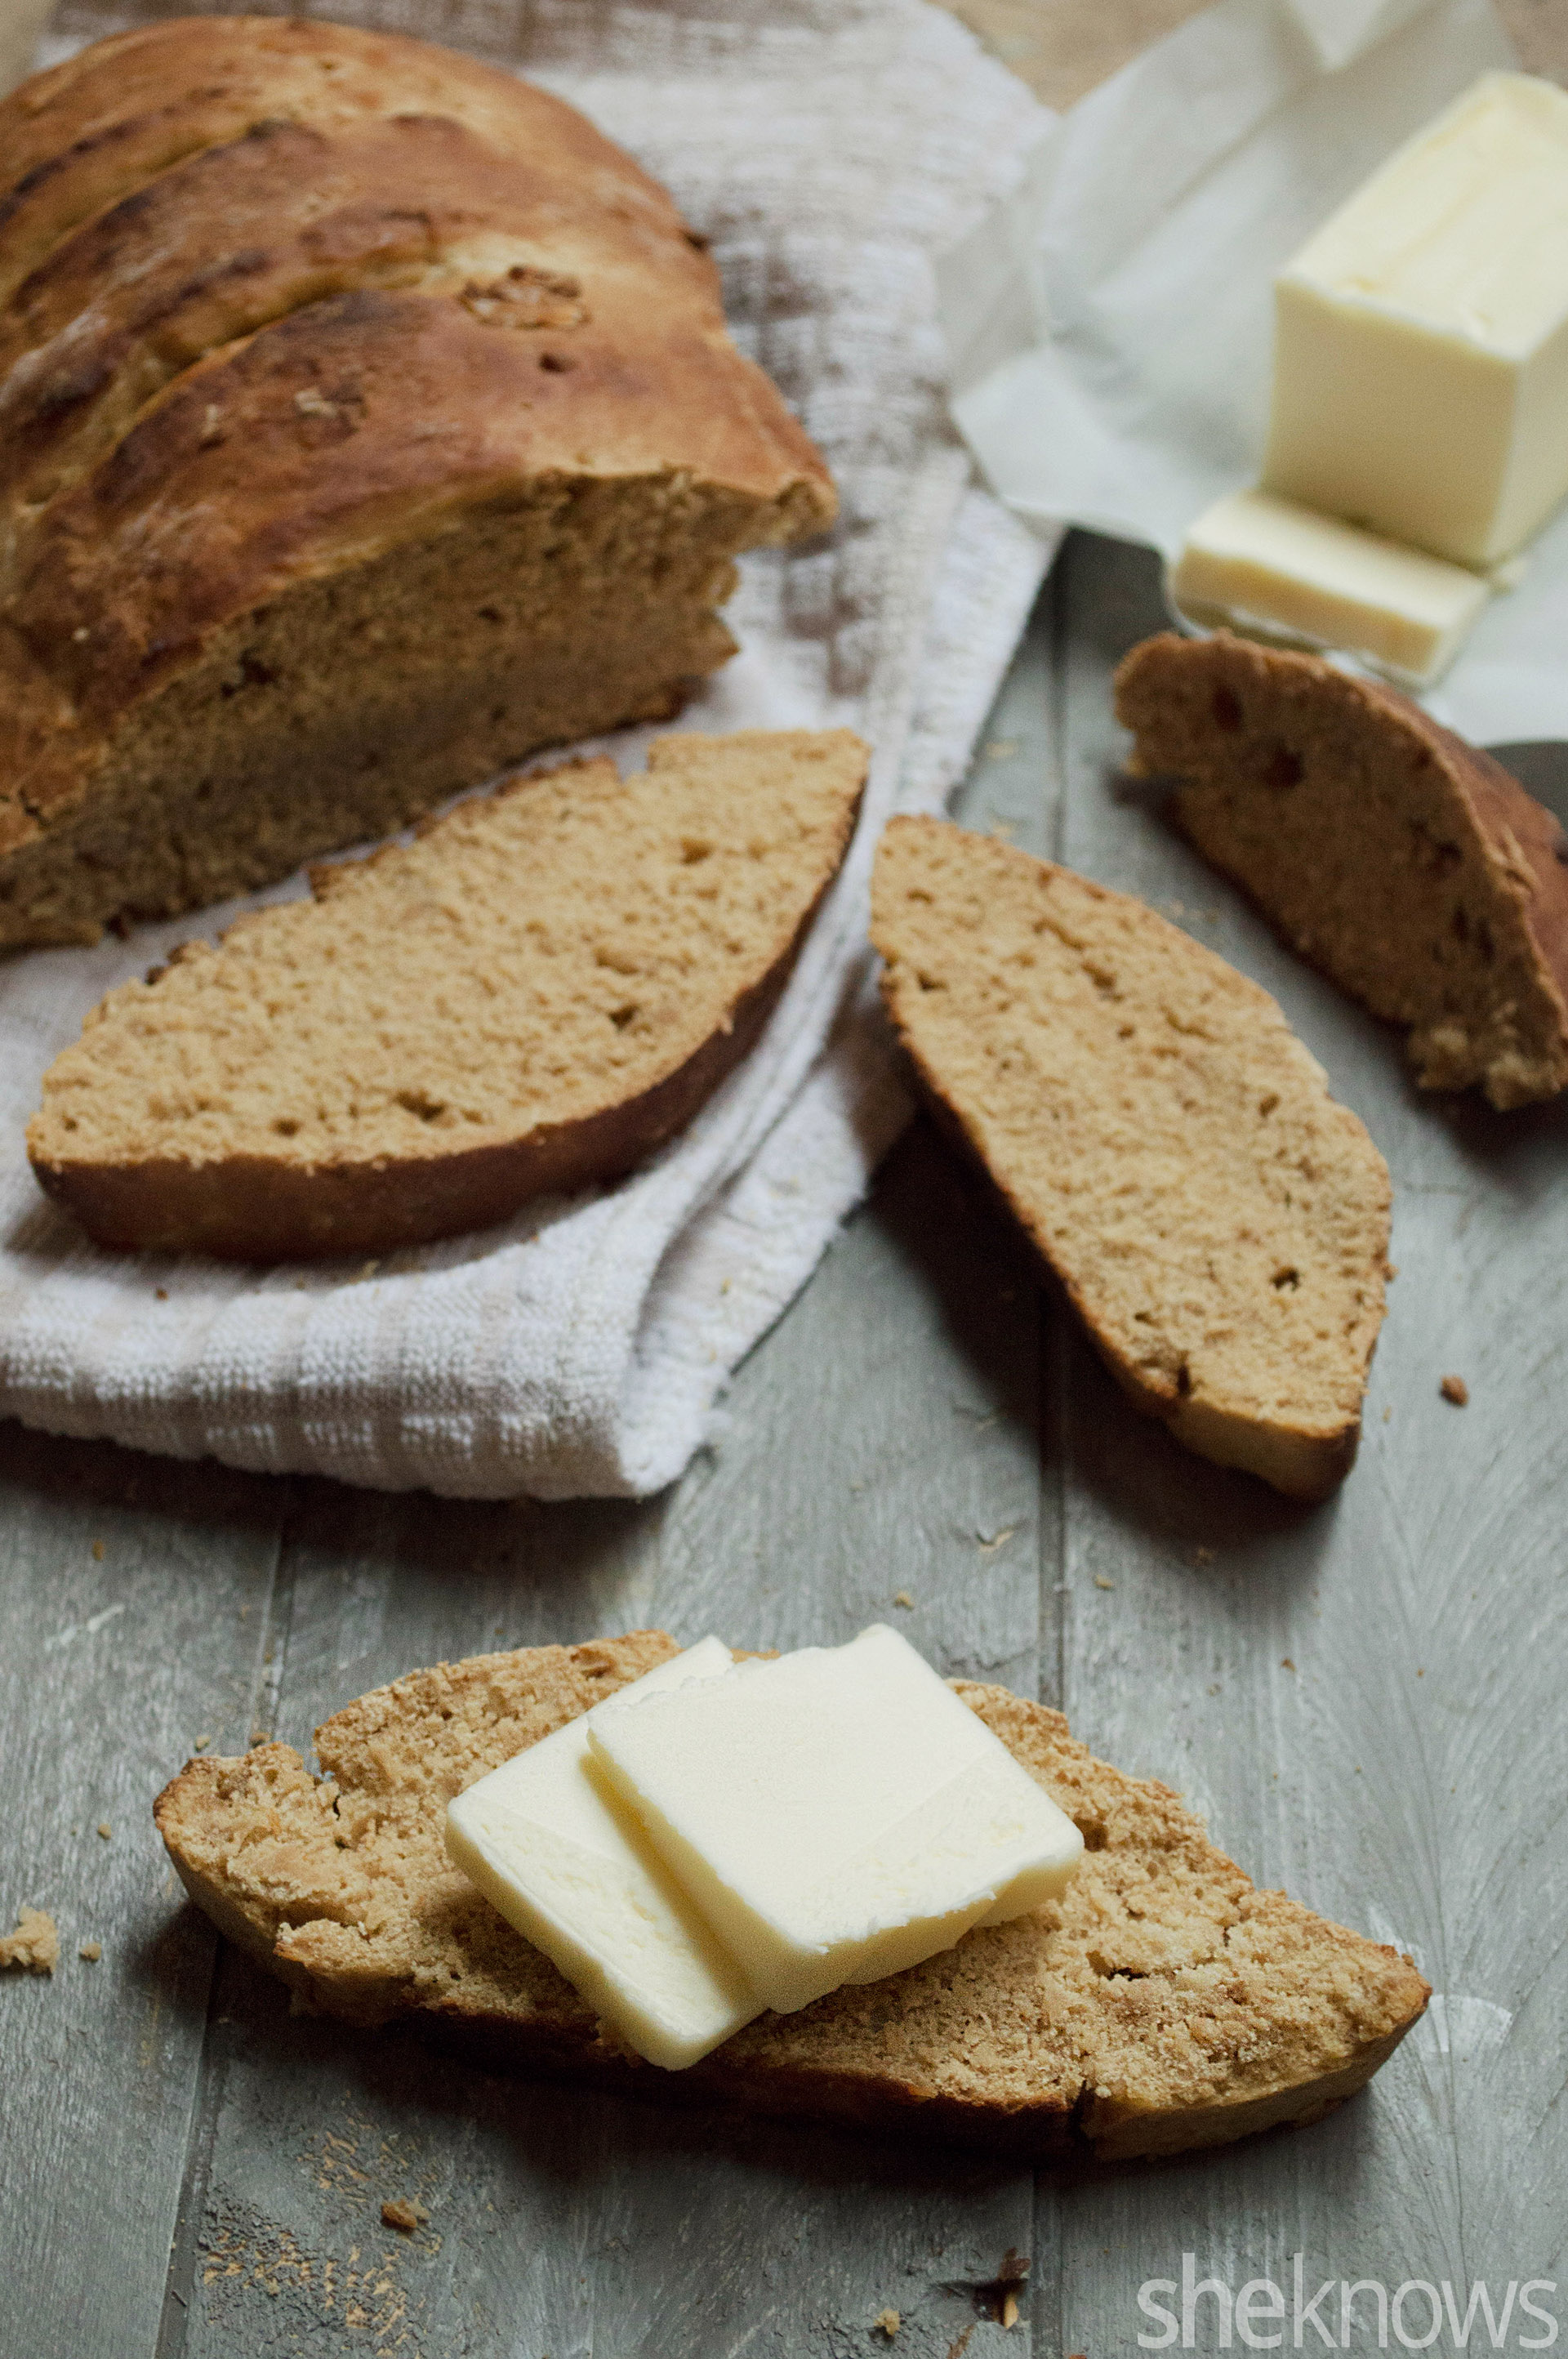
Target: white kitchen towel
{"points": [[832, 152]]}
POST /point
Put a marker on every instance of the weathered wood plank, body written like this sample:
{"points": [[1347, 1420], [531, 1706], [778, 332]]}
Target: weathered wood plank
{"points": [[1362, 1697], [134, 1601], [881, 1443], [1405, 1773]]}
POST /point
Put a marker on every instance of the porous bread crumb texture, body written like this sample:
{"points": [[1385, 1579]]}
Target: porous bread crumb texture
{"points": [[1407, 865], [34, 1947], [1221, 1224], [532, 994], [367, 420], [1163, 2002]]}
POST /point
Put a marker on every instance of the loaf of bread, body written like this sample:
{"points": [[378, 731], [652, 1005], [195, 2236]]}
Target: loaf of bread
{"points": [[366, 422], [1404, 862], [1220, 1225], [533, 993], [1164, 2003]]}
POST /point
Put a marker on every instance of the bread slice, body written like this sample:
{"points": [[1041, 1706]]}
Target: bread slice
{"points": [[1219, 1223], [367, 420], [1162, 2004], [1404, 862], [544, 986]]}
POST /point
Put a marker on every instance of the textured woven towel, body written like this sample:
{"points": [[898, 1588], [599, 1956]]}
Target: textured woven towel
{"points": [[831, 152]]}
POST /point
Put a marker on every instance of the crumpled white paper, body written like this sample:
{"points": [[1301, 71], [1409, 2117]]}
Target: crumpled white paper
{"points": [[1112, 323]]}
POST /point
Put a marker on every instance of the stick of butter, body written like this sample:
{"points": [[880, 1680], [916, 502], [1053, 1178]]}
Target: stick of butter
{"points": [[1421, 352], [566, 1868], [835, 1815], [1268, 567]]}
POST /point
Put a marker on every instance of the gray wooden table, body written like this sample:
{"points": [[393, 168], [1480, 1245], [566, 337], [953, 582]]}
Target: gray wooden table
{"points": [[1365, 1700]]}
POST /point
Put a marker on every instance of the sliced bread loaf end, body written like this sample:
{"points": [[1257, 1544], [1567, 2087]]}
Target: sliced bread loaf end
{"points": [[1407, 865], [531, 996], [1221, 1224], [1163, 2003]]}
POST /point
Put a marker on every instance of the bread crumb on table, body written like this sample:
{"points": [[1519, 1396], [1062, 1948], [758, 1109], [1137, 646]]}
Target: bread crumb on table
{"points": [[91, 1952], [398, 2213], [34, 1947], [902, 1597], [104, 1829], [888, 2323], [1455, 1389]]}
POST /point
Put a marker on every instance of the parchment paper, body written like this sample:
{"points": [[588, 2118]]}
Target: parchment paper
{"points": [[1110, 324]]}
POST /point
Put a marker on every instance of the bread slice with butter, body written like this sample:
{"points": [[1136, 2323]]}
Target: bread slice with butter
{"points": [[530, 997], [1407, 865], [1219, 1223], [1162, 2004]]}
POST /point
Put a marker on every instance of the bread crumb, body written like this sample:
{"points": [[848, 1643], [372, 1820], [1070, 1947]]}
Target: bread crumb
{"points": [[1455, 1389], [104, 1829], [203, 1743], [97, 1552], [1009, 2309], [34, 1947], [1101, 1582], [888, 2323], [902, 1597], [1286, 1664], [160, 1294], [398, 2213], [91, 1952]]}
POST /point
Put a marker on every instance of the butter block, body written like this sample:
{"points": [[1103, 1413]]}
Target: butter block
{"points": [[837, 1815], [1272, 568], [1420, 355], [574, 1876]]}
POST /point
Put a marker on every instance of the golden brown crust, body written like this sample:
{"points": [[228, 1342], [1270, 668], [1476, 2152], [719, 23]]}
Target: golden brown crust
{"points": [[286, 298], [1147, 1117], [1404, 862], [1165, 2004]]}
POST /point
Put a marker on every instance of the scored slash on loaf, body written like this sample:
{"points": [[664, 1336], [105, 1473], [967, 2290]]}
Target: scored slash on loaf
{"points": [[1163, 2003], [367, 421], [530, 997], [1219, 1223]]}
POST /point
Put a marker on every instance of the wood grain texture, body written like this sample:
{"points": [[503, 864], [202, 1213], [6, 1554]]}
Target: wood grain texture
{"points": [[924, 1421], [1364, 1699]]}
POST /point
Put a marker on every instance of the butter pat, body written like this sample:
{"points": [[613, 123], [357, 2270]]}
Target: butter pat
{"points": [[565, 1867], [1420, 360], [1265, 565], [837, 1815]]}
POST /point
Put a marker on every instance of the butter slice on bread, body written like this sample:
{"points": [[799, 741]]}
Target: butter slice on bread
{"points": [[1219, 1223], [1162, 2004], [1407, 865], [530, 997]]}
